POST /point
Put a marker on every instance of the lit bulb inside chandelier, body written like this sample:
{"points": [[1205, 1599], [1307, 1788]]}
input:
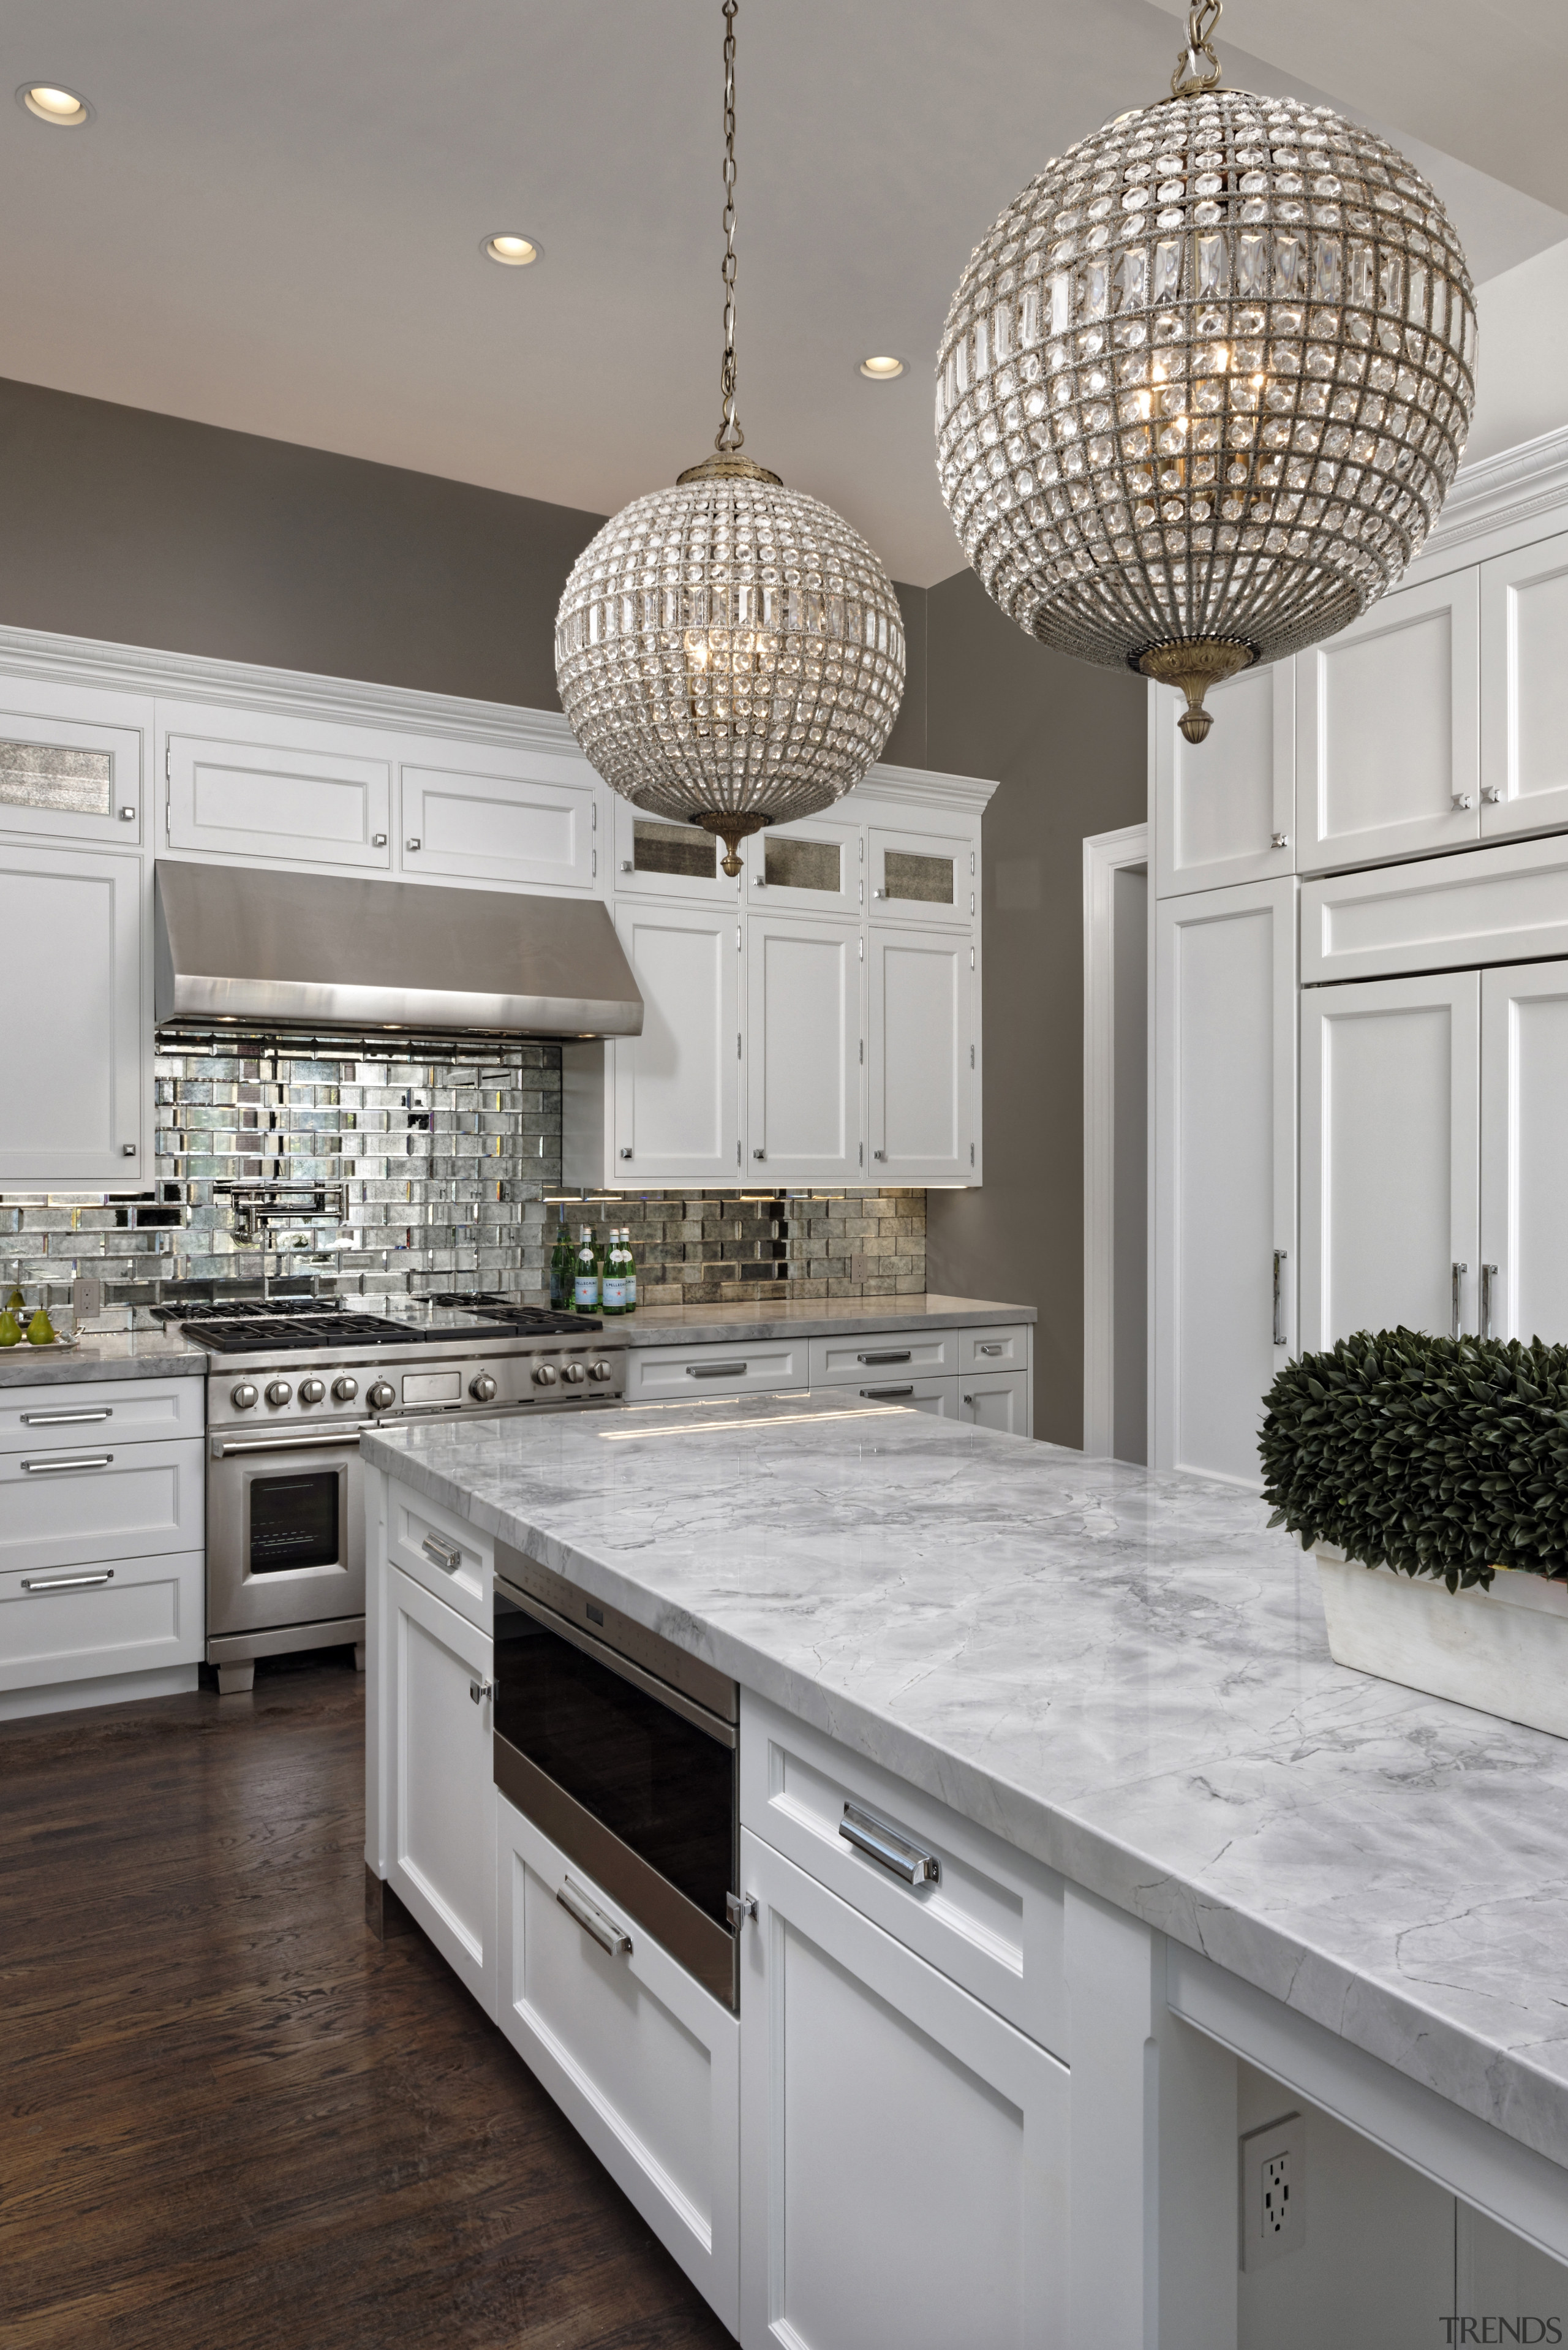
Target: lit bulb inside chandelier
{"points": [[729, 652], [1204, 386]]}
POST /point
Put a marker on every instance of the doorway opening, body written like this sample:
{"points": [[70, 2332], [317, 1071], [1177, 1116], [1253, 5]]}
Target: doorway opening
{"points": [[1116, 1144]]}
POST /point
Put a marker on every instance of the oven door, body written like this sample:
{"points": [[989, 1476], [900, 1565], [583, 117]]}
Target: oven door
{"points": [[629, 1777], [285, 1531]]}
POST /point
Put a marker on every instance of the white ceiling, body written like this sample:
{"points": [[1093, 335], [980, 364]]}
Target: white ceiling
{"points": [[273, 221]]}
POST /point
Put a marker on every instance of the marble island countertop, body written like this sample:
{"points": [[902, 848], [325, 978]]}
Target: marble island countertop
{"points": [[761, 1318], [1123, 1673]]}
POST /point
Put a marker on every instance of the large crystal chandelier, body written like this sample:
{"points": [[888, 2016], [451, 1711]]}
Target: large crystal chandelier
{"points": [[730, 653], [1203, 388]]}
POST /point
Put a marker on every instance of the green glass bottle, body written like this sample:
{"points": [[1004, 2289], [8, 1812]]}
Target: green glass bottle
{"points": [[561, 1270], [586, 1273], [613, 1288], [629, 1267]]}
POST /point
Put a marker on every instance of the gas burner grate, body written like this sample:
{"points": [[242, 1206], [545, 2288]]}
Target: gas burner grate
{"points": [[530, 1321], [246, 1334], [248, 1309]]}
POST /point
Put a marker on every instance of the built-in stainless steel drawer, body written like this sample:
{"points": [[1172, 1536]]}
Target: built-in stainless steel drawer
{"points": [[118, 1616], [664, 1374], [886, 1355], [67, 1503], [134, 1411]]}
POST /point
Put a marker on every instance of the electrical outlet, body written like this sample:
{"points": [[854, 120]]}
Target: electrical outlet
{"points": [[1273, 2191]]}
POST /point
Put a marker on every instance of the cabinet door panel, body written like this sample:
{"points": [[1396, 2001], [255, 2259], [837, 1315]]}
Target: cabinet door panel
{"points": [[442, 1860], [76, 1056], [1524, 1150], [145, 1614], [1524, 689], [917, 1057], [500, 820], [1225, 1171], [1220, 804], [1387, 719], [678, 1106], [998, 1400], [656, 858], [811, 866], [802, 1045], [67, 768], [1390, 1173], [923, 876], [309, 802], [904, 2150]]}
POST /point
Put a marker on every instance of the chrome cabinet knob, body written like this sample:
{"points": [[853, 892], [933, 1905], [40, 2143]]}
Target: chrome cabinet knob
{"points": [[345, 1389], [242, 1396], [128, 815], [601, 1370], [377, 840], [312, 1390], [411, 843], [482, 1389], [1280, 839], [378, 1395], [626, 1150], [278, 1391], [544, 1375], [574, 1374]]}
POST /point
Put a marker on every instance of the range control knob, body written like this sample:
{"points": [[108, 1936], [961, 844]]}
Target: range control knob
{"points": [[242, 1396], [312, 1390], [546, 1375], [378, 1395], [601, 1370], [574, 1374], [345, 1389], [278, 1391], [482, 1388]]}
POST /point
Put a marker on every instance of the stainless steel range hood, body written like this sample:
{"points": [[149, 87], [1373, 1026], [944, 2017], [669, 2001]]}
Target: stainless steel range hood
{"points": [[316, 950]]}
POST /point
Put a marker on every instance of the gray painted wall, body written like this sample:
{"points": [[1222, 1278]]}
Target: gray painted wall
{"points": [[1068, 744]]}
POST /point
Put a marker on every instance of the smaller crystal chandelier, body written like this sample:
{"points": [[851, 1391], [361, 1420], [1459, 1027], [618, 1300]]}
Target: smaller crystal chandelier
{"points": [[1204, 386], [729, 652]]}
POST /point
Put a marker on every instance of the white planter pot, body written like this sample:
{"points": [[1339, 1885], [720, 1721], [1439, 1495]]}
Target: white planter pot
{"points": [[1504, 1651]]}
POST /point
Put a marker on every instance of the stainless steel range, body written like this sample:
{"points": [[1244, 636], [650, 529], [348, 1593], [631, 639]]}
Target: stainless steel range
{"points": [[291, 1386]]}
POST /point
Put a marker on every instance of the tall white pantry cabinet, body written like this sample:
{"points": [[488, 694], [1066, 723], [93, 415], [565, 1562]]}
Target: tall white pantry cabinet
{"points": [[814, 1023], [1359, 1077]]}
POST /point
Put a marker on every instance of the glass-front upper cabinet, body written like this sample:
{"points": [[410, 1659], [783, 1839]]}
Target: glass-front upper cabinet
{"points": [[71, 764], [656, 857], [815, 866], [920, 877]]}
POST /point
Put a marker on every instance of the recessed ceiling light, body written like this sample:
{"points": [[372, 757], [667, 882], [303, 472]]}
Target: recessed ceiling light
{"points": [[883, 368], [511, 249], [53, 103]]}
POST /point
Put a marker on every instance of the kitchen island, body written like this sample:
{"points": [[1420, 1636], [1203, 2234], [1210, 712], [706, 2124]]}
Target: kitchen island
{"points": [[1221, 1843]]}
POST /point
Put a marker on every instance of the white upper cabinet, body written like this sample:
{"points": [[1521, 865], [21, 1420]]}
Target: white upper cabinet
{"points": [[75, 1080], [1225, 1109], [71, 763], [803, 1066], [816, 866], [1524, 689], [243, 783], [1225, 808], [677, 1117], [920, 1056], [1524, 1150], [1388, 730], [655, 857], [923, 876], [483, 814], [1390, 1157]]}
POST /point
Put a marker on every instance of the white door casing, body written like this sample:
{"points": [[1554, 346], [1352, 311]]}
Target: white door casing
{"points": [[75, 1064], [1524, 689], [1524, 1152], [1224, 809], [677, 1086], [805, 1026], [1106, 854], [1390, 1155]]}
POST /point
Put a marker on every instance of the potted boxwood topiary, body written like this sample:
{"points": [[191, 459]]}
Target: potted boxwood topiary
{"points": [[1430, 1478]]}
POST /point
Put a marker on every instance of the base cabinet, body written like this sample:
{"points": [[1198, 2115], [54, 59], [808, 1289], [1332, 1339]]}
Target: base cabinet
{"points": [[438, 1794], [643, 2063], [857, 2062]]}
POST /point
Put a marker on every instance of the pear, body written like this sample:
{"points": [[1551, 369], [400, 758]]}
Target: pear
{"points": [[10, 1329], [16, 1303], [41, 1331]]}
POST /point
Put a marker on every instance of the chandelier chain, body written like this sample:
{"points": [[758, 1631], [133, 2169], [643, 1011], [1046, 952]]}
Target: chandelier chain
{"points": [[729, 435], [1191, 75]]}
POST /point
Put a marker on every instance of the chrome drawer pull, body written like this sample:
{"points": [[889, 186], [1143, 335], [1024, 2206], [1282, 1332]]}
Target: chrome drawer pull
{"points": [[70, 1461], [441, 1553], [868, 1360], [68, 1581], [604, 1932], [481, 1689], [997, 1350], [888, 1846], [715, 1370], [64, 1418], [882, 1394]]}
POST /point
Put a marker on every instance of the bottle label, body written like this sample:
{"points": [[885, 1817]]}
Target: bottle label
{"points": [[585, 1291], [615, 1294]]}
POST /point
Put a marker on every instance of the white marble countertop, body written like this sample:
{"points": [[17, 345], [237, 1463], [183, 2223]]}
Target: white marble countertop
{"points": [[1124, 1674], [808, 1317], [108, 1355]]}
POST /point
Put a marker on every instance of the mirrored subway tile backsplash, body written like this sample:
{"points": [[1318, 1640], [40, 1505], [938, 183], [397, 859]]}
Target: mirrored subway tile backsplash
{"points": [[330, 1165]]}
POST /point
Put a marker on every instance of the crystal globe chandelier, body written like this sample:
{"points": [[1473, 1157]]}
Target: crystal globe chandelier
{"points": [[1203, 388], [729, 652]]}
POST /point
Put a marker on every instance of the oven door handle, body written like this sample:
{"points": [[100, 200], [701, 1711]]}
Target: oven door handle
{"points": [[344, 1437]]}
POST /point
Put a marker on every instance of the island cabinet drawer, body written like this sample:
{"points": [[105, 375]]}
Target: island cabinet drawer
{"points": [[1002, 1349], [134, 1411], [72, 1504], [440, 1551], [121, 1616], [886, 1355], [990, 1918], [664, 1374]]}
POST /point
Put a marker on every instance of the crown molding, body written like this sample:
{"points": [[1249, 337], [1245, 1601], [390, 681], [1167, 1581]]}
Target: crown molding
{"points": [[1501, 495], [962, 795]]}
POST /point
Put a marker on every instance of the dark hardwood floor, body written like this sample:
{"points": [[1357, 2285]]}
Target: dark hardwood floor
{"points": [[233, 2118]]}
